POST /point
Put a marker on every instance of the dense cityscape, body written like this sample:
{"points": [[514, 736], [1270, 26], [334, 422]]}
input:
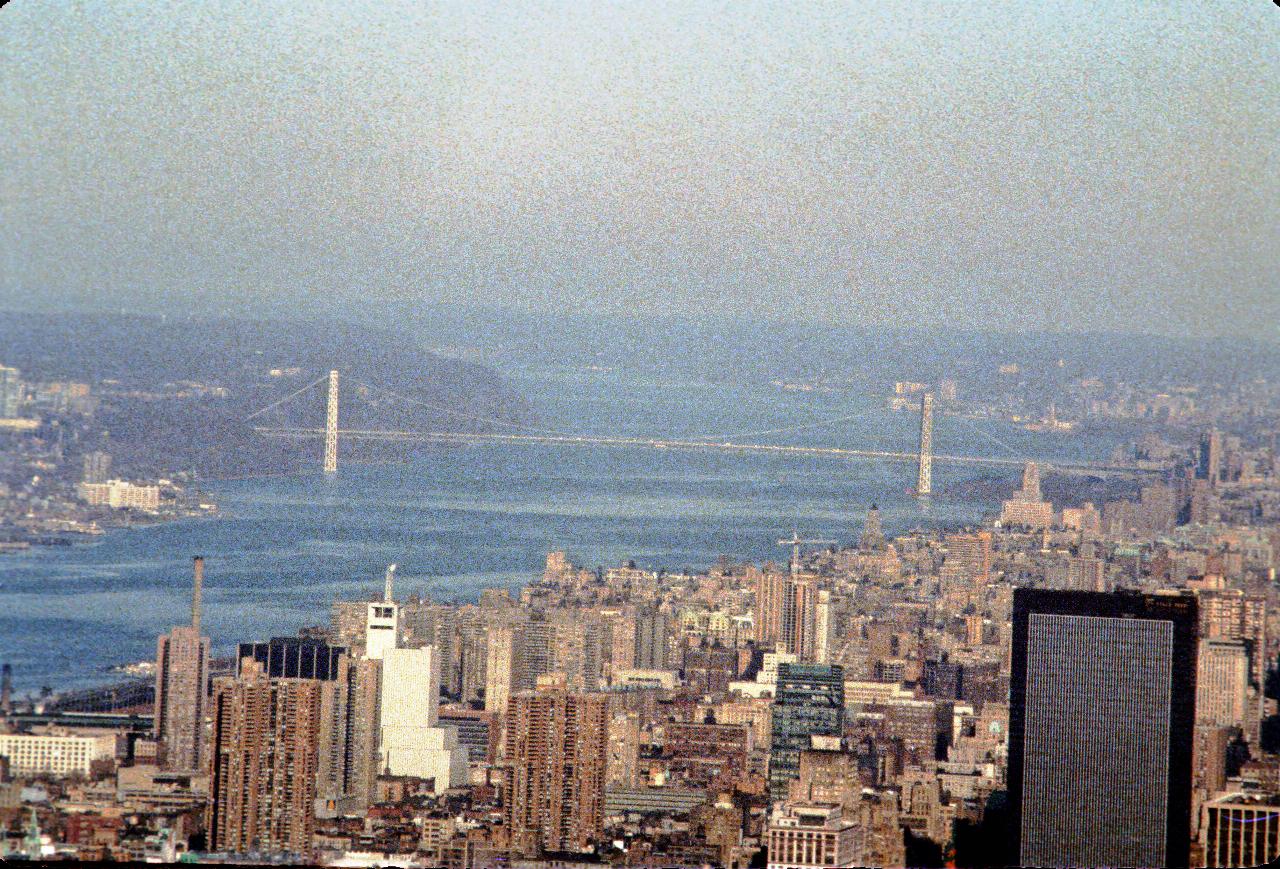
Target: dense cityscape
{"points": [[675, 435], [939, 696]]}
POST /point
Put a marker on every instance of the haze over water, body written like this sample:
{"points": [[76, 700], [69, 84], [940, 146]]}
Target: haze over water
{"points": [[461, 520]]}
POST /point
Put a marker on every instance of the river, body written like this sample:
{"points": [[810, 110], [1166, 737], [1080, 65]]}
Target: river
{"points": [[460, 520]]}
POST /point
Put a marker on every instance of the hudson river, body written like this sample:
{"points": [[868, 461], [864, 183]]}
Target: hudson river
{"points": [[461, 520]]}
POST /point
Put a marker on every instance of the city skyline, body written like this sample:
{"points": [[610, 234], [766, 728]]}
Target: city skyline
{"points": [[623, 434]]}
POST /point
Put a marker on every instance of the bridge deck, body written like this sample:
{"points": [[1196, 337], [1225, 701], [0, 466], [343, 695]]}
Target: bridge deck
{"points": [[668, 443]]}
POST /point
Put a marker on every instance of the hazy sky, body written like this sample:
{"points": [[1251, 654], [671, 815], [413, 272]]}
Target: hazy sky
{"points": [[1082, 165]]}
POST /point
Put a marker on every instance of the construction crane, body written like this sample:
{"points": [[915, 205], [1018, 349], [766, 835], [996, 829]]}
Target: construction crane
{"points": [[794, 542]]}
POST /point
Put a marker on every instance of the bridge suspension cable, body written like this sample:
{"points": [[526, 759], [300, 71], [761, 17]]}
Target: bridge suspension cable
{"points": [[557, 432], [535, 434], [783, 430], [293, 394], [714, 438], [995, 440], [438, 406]]}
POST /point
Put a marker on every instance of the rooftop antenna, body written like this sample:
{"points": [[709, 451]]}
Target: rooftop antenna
{"points": [[390, 576], [794, 542]]}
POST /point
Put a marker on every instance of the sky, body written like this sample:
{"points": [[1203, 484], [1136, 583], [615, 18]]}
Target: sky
{"points": [[1076, 166]]}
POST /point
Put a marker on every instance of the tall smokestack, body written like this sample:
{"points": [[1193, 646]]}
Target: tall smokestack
{"points": [[195, 594], [6, 690]]}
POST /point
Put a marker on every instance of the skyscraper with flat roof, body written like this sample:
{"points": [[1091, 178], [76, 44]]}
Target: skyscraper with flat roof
{"points": [[294, 658], [262, 785], [1101, 723], [1209, 466], [412, 742], [651, 639], [348, 763], [972, 554], [809, 702], [557, 747], [771, 599]]}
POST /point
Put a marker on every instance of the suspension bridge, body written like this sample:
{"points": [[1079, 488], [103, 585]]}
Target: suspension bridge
{"points": [[922, 457]]}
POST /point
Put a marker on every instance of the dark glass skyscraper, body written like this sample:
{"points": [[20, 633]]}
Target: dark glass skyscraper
{"points": [[294, 658], [809, 702], [1101, 718]]}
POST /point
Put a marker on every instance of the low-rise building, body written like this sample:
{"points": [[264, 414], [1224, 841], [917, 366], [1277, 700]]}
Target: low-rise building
{"points": [[118, 494], [54, 754], [1241, 830], [810, 836]]}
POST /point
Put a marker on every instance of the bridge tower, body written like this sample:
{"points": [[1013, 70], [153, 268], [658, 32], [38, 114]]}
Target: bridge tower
{"points": [[331, 429], [924, 484]]}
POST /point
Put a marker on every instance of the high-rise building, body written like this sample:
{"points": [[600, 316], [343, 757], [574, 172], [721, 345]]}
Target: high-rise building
{"points": [[943, 678], [1209, 466], [1158, 509], [413, 743], [1027, 507], [382, 622], [1086, 519], [10, 392], [294, 658], [812, 836], [499, 669], [6, 689], [1086, 573], [557, 749], [972, 554], [347, 619], [535, 653], [557, 567], [786, 613], [1102, 701], [823, 628], [182, 680], [707, 754], [1222, 684], [473, 658], [1201, 506], [1210, 749], [708, 669], [651, 640], [808, 702], [477, 732], [622, 764], [771, 600], [799, 617], [262, 783], [410, 742], [348, 763], [1232, 615], [872, 531]]}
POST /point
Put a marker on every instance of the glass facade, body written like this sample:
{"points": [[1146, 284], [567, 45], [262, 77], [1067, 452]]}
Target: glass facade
{"points": [[294, 658], [809, 702], [1101, 717]]}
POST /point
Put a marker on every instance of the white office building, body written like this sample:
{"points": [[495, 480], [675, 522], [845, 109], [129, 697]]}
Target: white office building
{"points": [[54, 754], [413, 743]]}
